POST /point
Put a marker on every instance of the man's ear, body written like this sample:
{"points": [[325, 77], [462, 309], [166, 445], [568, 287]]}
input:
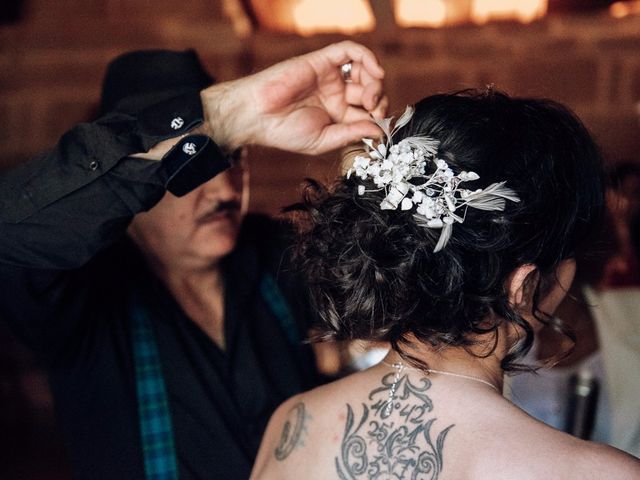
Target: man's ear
{"points": [[517, 284]]}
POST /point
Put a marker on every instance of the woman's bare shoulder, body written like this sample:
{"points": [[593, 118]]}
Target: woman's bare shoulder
{"points": [[607, 462], [297, 430], [288, 423], [524, 448]]}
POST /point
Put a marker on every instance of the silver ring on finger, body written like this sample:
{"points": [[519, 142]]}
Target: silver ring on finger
{"points": [[345, 72]]}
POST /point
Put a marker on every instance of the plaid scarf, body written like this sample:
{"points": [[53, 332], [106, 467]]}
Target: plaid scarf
{"points": [[158, 448]]}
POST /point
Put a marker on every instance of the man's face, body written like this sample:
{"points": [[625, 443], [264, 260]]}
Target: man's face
{"points": [[198, 229]]}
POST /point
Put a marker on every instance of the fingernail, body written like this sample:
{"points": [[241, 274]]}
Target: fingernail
{"points": [[375, 100]]}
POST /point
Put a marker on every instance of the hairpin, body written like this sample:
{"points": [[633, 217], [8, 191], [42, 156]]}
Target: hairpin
{"points": [[437, 197]]}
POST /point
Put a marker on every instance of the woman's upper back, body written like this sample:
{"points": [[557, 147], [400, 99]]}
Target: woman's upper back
{"points": [[430, 430]]}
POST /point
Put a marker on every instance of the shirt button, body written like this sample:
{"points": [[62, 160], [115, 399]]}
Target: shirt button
{"points": [[93, 166], [177, 123], [189, 148]]}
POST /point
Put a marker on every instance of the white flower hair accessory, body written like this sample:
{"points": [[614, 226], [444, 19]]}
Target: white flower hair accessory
{"points": [[400, 170]]}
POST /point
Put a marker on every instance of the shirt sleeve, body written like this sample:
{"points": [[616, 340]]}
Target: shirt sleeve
{"points": [[60, 209]]}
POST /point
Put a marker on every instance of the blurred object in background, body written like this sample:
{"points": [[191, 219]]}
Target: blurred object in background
{"points": [[363, 355], [617, 317], [438, 13], [624, 9], [524, 11], [330, 358], [573, 6], [337, 359], [308, 17], [31, 447], [11, 11], [623, 201], [417, 13], [583, 399]]}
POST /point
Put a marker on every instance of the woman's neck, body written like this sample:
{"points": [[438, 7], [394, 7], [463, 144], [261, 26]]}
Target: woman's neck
{"points": [[474, 362]]}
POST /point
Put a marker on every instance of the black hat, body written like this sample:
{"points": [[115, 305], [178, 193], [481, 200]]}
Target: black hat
{"points": [[142, 78]]}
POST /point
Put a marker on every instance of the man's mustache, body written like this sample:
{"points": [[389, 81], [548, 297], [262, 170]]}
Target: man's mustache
{"points": [[230, 207]]}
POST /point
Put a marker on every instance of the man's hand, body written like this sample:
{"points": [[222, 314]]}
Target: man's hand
{"points": [[302, 104]]}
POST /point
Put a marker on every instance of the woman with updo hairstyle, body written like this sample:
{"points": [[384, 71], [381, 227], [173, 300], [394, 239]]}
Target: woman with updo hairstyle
{"points": [[452, 239]]}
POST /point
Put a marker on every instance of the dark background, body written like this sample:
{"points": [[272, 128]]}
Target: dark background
{"points": [[53, 55]]}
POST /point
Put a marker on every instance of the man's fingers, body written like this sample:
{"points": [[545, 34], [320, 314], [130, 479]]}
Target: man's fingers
{"points": [[365, 96], [359, 74], [380, 110], [355, 114], [353, 93], [371, 95], [372, 66], [339, 135], [348, 51]]}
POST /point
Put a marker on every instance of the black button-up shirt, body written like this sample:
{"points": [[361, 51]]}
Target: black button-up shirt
{"points": [[67, 271]]}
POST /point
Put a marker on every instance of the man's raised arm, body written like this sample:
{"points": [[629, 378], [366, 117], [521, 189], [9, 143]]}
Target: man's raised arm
{"points": [[60, 209]]}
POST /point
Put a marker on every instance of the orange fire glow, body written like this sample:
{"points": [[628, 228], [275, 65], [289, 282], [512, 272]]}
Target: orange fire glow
{"points": [[524, 11], [344, 16], [308, 17], [420, 13], [435, 13], [624, 9]]}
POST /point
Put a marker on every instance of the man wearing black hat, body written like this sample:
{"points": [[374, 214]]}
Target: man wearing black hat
{"points": [[169, 348]]}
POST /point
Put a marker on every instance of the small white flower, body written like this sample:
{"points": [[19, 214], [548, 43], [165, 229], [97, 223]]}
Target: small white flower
{"points": [[362, 173], [361, 162], [427, 208], [361, 189], [407, 204], [386, 165]]}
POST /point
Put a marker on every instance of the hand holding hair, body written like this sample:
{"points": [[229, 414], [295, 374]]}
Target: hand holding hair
{"points": [[304, 104]]}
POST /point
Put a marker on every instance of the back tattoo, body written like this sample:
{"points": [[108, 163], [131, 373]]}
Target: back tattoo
{"points": [[293, 432], [381, 445]]}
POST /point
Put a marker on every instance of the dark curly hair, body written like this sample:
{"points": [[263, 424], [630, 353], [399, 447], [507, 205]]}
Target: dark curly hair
{"points": [[373, 274]]}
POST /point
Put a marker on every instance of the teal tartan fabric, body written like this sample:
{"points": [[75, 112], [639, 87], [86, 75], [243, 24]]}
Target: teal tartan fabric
{"points": [[153, 406], [279, 307], [160, 461]]}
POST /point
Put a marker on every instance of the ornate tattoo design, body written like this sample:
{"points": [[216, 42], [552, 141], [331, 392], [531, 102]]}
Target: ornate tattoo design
{"points": [[384, 446], [292, 432]]}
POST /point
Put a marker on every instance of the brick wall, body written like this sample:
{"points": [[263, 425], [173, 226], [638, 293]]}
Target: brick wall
{"points": [[52, 61]]}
